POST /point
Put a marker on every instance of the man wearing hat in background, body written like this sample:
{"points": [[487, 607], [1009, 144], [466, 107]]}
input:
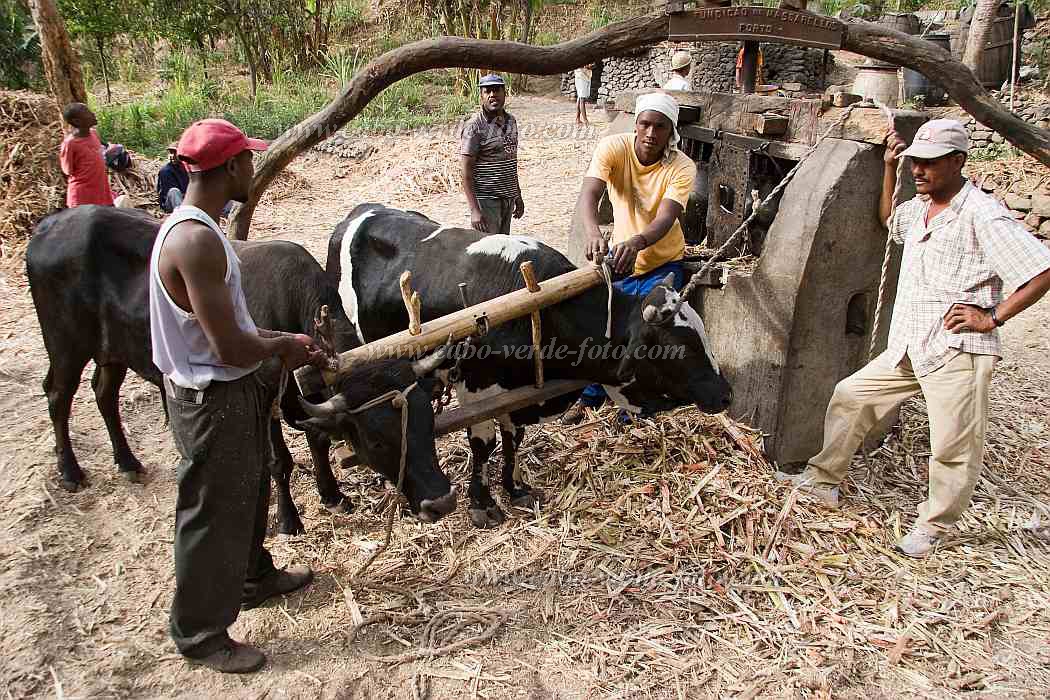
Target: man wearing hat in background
{"points": [[681, 64], [209, 350], [962, 249], [172, 181], [648, 181], [488, 152]]}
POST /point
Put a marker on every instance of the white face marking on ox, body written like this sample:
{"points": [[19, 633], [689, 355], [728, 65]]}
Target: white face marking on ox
{"points": [[346, 279], [688, 318], [435, 233], [616, 394], [510, 248]]}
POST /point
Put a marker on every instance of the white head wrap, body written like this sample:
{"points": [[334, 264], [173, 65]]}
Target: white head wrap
{"points": [[664, 104]]}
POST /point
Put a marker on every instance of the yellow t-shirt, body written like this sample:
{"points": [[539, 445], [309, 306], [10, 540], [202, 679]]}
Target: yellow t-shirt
{"points": [[636, 190]]}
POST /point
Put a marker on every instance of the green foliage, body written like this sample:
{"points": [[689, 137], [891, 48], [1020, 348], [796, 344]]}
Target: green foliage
{"points": [[548, 38], [340, 65], [20, 65], [993, 151], [602, 15]]}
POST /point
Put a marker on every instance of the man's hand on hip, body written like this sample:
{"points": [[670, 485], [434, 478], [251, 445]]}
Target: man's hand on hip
{"points": [[963, 318]]}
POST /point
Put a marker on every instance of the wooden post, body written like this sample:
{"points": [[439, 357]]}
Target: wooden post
{"points": [[537, 334], [749, 68], [413, 304]]}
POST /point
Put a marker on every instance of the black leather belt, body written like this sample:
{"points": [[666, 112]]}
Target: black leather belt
{"points": [[183, 394]]}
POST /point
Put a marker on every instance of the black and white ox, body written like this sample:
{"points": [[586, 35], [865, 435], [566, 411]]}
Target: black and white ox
{"points": [[87, 269], [656, 358]]}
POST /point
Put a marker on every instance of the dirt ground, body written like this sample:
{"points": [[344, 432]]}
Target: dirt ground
{"points": [[86, 578]]}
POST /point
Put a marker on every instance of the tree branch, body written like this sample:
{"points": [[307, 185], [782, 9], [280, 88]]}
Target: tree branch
{"points": [[865, 38], [443, 52], [935, 63]]}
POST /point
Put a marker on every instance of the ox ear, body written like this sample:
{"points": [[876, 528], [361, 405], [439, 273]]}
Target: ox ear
{"points": [[385, 241]]}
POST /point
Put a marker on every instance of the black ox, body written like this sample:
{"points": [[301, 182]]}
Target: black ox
{"points": [[368, 252], [87, 269]]}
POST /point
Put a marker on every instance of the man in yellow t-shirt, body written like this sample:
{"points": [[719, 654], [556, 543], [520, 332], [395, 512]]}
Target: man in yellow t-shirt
{"points": [[648, 181]]}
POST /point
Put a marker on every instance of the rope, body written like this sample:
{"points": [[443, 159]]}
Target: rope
{"points": [[606, 274], [891, 226], [697, 276], [399, 399], [282, 384]]}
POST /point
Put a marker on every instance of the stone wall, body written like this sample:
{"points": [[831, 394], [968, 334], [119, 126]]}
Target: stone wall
{"points": [[797, 70], [1033, 208]]}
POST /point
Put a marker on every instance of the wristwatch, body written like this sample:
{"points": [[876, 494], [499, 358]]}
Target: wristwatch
{"points": [[995, 319]]}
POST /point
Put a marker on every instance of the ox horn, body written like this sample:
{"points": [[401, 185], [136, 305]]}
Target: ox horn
{"points": [[424, 366], [328, 409]]}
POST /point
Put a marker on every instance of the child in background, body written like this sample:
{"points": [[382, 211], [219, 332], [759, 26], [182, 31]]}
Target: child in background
{"points": [[81, 159]]}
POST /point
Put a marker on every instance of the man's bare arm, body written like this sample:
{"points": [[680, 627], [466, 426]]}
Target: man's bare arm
{"points": [[200, 261], [587, 211], [624, 254], [477, 221]]}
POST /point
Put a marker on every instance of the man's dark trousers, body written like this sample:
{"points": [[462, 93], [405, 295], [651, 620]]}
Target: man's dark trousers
{"points": [[223, 436]]}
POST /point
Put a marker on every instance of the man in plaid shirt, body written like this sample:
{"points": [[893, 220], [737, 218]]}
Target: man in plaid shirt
{"points": [[962, 249]]}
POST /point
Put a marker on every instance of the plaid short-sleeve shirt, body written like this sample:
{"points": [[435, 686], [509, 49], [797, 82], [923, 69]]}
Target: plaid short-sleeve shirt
{"points": [[970, 253]]}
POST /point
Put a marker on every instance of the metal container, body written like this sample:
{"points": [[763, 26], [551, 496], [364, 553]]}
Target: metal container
{"points": [[915, 83], [878, 83]]}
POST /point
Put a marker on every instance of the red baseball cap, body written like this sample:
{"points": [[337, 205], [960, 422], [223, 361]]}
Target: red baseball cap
{"points": [[209, 143]]}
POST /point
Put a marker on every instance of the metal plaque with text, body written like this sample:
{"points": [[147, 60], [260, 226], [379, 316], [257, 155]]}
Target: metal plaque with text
{"points": [[757, 24]]}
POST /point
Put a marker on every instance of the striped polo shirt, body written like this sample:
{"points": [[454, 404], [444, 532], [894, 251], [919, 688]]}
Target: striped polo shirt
{"points": [[494, 144]]}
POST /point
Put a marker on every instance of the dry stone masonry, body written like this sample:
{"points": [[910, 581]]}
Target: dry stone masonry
{"points": [[798, 71]]}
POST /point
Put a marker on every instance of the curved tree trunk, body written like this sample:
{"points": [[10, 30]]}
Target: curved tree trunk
{"points": [[61, 63], [980, 26], [865, 38]]}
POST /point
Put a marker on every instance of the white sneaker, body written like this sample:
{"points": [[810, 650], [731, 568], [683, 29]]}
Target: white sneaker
{"points": [[919, 542], [804, 482]]}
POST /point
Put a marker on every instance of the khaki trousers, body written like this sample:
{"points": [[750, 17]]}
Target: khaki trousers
{"points": [[957, 401]]}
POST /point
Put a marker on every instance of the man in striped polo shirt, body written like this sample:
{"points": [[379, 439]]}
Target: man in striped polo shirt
{"points": [[489, 156]]}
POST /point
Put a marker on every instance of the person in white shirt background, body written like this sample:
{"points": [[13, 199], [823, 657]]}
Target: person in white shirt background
{"points": [[681, 64], [582, 77]]}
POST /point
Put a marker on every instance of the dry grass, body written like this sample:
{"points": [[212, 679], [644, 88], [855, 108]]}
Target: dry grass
{"points": [[31, 183], [1021, 174], [667, 561]]}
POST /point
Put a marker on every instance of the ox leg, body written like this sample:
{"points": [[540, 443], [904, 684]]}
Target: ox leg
{"points": [[483, 510], [106, 382], [510, 440], [281, 466], [60, 385], [327, 487]]}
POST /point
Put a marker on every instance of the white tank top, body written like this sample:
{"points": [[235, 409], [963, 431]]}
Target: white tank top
{"points": [[180, 348]]}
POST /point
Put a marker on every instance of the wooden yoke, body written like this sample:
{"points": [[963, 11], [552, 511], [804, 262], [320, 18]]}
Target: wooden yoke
{"points": [[457, 326], [537, 336]]}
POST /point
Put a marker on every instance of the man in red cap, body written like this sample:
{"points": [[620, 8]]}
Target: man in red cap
{"points": [[208, 347]]}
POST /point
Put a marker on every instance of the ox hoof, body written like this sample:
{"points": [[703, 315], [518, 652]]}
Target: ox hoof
{"points": [[131, 476], [340, 507], [71, 485], [526, 501], [486, 518], [291, 529]]}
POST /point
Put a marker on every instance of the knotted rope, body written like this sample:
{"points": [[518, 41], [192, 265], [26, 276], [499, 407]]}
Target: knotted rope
{"points": [[697, 276], [399, 399], [891, 226]]}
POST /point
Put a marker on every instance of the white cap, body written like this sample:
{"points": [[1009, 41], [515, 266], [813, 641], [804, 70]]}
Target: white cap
{"points": [[938, 137]]}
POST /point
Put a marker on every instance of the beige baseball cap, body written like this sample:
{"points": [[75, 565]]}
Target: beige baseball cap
{"points": [[938, 137], [681, 59]]}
